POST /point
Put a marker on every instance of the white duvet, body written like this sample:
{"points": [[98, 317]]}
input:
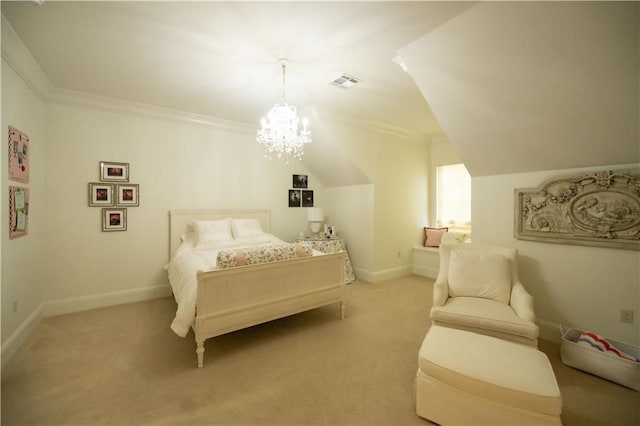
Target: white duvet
{"points": [[185, 264]]}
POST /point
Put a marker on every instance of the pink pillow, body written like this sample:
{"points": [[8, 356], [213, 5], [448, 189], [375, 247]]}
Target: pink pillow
{"points": [[432, 236]]}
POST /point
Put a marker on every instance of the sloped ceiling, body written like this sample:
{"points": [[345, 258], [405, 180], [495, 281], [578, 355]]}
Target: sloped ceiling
{"points": [[221, 58], [534, 86]]}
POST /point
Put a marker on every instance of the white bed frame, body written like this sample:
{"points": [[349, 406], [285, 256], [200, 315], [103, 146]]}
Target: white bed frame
{"points": [[235, 298]]}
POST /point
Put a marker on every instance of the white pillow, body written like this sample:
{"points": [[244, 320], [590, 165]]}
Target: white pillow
{"points": [[246, 229], [212, 233], [477, 274]]}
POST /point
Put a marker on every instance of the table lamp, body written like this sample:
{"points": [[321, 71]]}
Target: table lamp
{"points": [[315, 216]]}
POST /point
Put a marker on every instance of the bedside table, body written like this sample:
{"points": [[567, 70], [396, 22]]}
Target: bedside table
{"points": [[332, 245]]}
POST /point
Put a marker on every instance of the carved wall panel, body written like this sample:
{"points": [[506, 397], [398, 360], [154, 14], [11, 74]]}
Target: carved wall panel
{"points": [[600, 208]]}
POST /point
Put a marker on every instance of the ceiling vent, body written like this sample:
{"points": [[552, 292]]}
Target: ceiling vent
{"points": [[346, 81]]}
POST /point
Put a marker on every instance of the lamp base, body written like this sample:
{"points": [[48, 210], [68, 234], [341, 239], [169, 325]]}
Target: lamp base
{"points": [[315, 227]]}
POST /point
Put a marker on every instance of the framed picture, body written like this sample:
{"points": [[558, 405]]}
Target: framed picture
{"points": [[329, 231], [294, 197], [300, 181], [100, 194], [127, 195], [18, 211], [114, 219], [307, 198], [114, 172], [19, 154]]}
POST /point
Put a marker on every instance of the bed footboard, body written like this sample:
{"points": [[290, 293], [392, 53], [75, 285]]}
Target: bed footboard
{"points": [[235, 298]]}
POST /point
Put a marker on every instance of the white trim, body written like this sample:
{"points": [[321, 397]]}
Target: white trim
{"points": [[17, 339], [549, 331], [85, 303], [387, 274]]}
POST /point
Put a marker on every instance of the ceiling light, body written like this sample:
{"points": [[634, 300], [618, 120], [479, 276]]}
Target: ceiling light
{"points": [[279, 132]]}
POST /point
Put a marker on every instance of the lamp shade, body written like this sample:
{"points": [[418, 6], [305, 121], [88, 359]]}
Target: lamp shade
{"points": [[315, 214]]}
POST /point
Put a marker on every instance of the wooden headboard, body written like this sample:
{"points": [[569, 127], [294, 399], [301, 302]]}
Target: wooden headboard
{"points": [[180, 221]]}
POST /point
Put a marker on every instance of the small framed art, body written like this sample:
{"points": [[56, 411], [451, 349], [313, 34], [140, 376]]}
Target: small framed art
{"points": [[300, 181], [294, 198], [307, 198], [100, 194], [114, 172], [127, 195], [114, 219]]}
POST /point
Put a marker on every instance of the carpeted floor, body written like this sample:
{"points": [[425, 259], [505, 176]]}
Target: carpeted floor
{"points": [[123, 366]]}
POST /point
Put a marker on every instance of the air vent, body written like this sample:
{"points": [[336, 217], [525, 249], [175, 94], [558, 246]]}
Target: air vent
{"points": [[346, 81]]}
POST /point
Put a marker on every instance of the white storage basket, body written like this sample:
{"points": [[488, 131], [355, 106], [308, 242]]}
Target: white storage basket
{"points": [[606, 365]]}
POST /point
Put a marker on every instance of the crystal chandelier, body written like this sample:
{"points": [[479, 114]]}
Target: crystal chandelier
{"points": [[279, 132]]}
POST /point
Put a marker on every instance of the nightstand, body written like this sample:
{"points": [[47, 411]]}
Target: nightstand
{"points": [[332, 245]]}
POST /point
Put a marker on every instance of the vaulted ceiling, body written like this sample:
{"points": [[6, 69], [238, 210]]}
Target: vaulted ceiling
{"points": [[220, 59], [515, 86]]}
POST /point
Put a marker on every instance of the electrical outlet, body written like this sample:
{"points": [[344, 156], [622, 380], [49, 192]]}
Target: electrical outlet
{"points": [[626, 315]]}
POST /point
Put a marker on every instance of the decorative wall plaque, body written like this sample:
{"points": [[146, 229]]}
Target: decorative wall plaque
{"points": [[599, 208]]}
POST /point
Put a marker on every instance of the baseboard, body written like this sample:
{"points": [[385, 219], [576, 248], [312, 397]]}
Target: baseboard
{"points": [[549, 331], [17, 339], [426, 271], [379, 276], [78, 304]]}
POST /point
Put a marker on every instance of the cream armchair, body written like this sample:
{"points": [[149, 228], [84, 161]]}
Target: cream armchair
{"points": [[478, 290]]}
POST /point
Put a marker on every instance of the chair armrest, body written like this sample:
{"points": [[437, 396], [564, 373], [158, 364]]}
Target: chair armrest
{"points": [[440, 292], [522, 302]]}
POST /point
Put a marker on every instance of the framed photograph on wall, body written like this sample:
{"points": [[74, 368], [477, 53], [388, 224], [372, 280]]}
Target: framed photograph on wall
{"points": [[294, 198], [127, 195], [100, 194], [300, 181], [307, 198], [114, 172], [114, 219]]}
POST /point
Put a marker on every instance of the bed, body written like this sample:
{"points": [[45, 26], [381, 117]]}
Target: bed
{"points": [[216, 296]]}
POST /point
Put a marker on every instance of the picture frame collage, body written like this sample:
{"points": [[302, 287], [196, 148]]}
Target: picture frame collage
{"points": [[300, 196], [114, 194]]}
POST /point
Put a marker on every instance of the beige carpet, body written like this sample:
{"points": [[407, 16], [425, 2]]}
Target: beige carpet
{"points": [[122, 365]]}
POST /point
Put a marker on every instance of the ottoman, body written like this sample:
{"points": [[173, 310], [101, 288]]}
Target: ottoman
{"points": [[469, 378]]}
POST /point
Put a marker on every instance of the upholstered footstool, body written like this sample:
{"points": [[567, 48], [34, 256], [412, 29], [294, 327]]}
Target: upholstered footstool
{"points": [[468, 378]]}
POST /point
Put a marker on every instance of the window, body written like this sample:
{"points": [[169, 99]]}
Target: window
{"points": [[453, 202]]}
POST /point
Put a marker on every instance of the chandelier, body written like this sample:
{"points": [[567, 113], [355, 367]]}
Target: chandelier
{"points": [[279, 132]]}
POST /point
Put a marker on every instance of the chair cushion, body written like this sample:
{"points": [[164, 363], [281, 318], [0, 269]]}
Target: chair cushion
{"points": [[485, 314], [494, 369], [475, 273]]}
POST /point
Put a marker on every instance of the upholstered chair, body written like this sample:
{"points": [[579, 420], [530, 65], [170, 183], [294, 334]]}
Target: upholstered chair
{"points": [[478, 290]]}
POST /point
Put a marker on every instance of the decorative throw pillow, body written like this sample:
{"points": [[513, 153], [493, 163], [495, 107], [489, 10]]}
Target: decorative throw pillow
{"points": [[475, 273], [212, 233], [432, 236]]}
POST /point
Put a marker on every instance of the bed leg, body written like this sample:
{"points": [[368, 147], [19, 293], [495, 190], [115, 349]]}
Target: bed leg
{"points": [[342, 308], [200, 353]]}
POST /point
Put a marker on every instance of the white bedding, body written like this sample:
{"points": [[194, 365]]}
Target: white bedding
{"points": [[187, 261]]}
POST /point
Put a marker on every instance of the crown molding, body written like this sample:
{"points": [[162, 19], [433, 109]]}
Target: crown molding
{"points": [[376, 126], [15, 53]]}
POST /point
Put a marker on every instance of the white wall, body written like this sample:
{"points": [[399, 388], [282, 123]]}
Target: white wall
{"points": [[23, 259], [576, 286], [178, 165], [397, 165]]}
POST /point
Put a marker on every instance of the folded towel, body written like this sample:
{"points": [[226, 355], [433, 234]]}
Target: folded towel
{"points": [[600, 343]]}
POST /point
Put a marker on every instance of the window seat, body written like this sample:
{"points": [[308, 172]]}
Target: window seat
{"points": [[426, 261]]}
